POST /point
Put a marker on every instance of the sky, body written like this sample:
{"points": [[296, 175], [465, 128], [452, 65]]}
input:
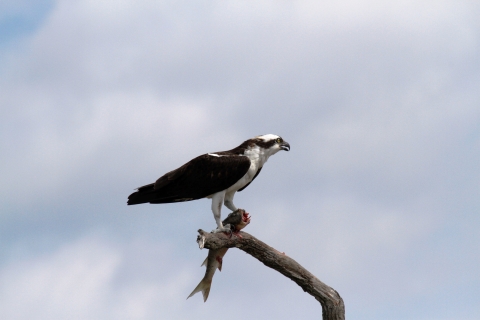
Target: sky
{"points": [[379, 196]]}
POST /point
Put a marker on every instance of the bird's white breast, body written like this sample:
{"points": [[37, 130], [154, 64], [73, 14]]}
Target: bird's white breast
{"points": [[257, 158]]}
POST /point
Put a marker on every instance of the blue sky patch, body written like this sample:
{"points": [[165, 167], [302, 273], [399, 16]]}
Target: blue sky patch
{"points": [[17, 23]]}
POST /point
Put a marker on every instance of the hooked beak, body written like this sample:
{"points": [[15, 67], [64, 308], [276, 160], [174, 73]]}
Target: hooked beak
{"points": [[285, 146]]}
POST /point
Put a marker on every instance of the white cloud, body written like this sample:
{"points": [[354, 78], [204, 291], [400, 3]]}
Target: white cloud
{"points": [[68, 283], [83, 280], [345, 232], [56, 152]]}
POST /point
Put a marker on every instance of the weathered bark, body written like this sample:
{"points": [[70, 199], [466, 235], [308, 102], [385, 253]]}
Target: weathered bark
{"points": [[332, 304]]}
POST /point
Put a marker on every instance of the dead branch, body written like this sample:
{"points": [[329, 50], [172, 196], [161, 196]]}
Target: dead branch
{"points": [[333, 307]]}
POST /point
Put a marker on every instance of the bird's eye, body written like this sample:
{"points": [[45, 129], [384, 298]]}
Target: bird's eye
{"points": [[279, 140]]}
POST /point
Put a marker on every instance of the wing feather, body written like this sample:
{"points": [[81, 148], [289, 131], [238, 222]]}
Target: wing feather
{"points": [[198, 178]]}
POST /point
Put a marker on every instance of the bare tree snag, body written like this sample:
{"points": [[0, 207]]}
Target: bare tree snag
{"points": [[332, 304]]}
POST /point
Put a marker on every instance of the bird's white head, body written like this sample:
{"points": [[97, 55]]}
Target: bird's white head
{"points": [[271, 143], [261, 147]]}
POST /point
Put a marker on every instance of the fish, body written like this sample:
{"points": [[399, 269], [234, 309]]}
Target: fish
{"points": [[213, 262], [237, 220]]}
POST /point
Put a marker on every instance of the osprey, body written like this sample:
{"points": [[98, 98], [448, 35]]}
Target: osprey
{"points": [[216, 175]]}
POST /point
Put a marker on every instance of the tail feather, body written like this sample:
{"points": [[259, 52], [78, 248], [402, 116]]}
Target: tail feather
{"points": [[204, 287], [150, 194], [143, 195]]}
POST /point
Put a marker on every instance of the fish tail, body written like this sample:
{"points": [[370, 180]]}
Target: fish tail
{"points": [[204, 287]]}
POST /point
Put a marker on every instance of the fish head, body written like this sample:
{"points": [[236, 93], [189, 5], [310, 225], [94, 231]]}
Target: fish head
{"points": [[245, 220]]}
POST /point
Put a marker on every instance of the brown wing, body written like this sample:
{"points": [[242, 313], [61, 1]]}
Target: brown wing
{"points": [[198, 178]]}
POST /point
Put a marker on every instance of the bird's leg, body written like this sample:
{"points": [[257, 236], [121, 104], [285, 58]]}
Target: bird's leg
{"points": [[229, 201], [217, 200]]}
